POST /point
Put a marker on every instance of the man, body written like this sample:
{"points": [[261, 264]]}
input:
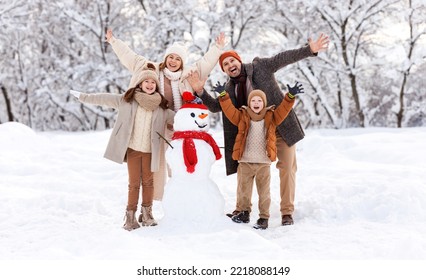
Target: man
{"points": [[260, 74]]}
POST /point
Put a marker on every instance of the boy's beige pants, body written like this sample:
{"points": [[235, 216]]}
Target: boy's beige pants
{"points": [[246, 174]]}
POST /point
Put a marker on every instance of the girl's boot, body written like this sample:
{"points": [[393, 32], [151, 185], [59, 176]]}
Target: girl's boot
{"points": [[130, 221], [146, 218]]}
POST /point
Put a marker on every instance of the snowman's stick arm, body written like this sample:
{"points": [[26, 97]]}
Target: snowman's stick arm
{"points": [[164, 139]]}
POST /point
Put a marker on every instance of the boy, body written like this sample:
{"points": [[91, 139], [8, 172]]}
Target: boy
{"points": [[255, 148]]}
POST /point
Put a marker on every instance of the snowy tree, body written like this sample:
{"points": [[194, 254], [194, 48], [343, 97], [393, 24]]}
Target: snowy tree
{"points": [[352, 24], [318, 107], [12, 15], [51, 47], [414, 16], [368, 76]]}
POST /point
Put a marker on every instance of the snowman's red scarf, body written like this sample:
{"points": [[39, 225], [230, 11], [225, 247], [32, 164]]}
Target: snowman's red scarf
{"points": [[188, 146]]}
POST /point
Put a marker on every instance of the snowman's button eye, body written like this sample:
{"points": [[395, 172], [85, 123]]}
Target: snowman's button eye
{"points": [[193, 115]]}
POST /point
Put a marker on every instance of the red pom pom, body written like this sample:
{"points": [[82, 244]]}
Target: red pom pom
{"points": [[187, 96]]}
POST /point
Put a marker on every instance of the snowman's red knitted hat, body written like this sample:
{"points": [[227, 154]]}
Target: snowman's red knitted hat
{"points": [[192, 101]]}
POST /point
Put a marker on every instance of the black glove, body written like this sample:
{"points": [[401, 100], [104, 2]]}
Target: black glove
{"points": [[219, 88], [293, 91]]}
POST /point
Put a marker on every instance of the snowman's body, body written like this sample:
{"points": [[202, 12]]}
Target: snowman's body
{"points": [[191, 198]]}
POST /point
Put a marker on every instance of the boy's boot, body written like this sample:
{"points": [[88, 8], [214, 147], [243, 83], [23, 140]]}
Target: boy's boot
{"points": [[235, 212], [130, 221], [146, 218], [287, 220], [261, 224]]}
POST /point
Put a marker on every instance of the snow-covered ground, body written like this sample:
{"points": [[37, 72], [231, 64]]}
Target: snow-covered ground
{"points": [[361, 195]]}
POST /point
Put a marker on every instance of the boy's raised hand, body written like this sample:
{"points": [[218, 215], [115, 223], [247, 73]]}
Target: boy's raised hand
{"points": [[295, 90], [219, 88]]}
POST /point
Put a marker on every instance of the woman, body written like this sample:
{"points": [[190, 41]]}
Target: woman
{"points": [[173, 70], [172, 73]]}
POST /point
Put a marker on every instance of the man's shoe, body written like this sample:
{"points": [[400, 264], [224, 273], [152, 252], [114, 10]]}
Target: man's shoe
{"points": [[235, 212], [242, 217], [261, 224], [287, 220]]}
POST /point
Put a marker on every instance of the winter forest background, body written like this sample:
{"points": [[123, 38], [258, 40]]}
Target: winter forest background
{"points": [[372, 75]]}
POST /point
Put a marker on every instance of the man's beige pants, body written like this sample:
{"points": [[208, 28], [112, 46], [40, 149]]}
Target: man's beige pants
{"points": [[287, 167]]}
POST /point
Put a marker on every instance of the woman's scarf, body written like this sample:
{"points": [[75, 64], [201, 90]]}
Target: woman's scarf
{"points": [[174, 79]]}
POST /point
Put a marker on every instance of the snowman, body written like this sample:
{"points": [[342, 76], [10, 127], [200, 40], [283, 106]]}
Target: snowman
{"points": [[191, 198]]}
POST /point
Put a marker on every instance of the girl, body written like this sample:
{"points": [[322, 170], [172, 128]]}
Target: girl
{"points": [[142, 112]]}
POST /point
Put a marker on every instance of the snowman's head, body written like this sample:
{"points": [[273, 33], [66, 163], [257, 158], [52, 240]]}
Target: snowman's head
{"points": [[191, 116]]}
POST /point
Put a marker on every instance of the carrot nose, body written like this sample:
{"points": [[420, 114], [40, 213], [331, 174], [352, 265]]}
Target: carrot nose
{"points": [[202, 116]]}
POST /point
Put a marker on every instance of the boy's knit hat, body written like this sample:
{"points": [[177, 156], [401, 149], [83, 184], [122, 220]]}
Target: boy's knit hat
{"points": [[148, 72], [257, 92], [178, 48], [226, 54]]}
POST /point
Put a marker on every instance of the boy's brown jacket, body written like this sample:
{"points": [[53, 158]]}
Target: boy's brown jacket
{"points": [[241, 119]]}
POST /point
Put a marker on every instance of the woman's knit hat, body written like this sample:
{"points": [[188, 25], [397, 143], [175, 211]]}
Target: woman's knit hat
{"points": [[148, 72], [177, 48], [226, 54], [257, 92]]}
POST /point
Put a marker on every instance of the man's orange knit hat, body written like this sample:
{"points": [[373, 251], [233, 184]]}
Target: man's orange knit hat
{"points": [[227, 54]]}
